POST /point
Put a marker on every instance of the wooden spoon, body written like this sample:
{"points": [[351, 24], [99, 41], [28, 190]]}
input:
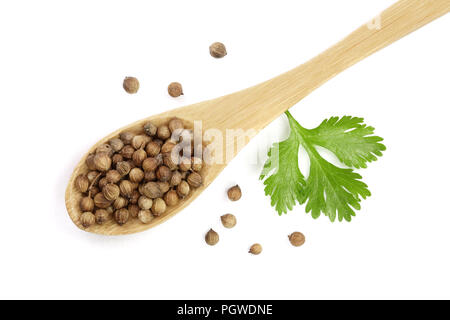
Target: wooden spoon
{"points": [[254, 108]]}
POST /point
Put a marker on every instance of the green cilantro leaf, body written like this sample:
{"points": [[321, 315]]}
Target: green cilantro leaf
{"points": [[328, 189]]}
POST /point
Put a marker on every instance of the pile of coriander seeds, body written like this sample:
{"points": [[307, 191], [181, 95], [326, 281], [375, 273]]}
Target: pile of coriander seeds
{"points": [[140, 176]]}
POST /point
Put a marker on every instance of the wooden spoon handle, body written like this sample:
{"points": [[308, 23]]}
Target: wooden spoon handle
{"points": [[279, 94]]}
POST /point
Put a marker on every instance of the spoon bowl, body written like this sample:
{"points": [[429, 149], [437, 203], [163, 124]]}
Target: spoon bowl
{"points": [[249, 111]]}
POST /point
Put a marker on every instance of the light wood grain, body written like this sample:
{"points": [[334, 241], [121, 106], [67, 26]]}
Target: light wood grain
{"points": [[255, 107]]}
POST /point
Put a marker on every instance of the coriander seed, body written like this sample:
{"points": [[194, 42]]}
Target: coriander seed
{"points": [[101, 202], [185, 164], [158, 207], [126, 137], [175, 124], [123, 168], [139, 156], [116, 144], [175, 179], [117, 158], [131, 85], [87, 219], [194, 180], [212, 237], [127, 152], [234, 193], [136, 175], [121, 216], [167, 147], [111, 192], [170, 160], [152, 190], [175, 90], [152, 149], [183, 189], [150, 129], [297, 239], [139, 142], [113, 176], [126, 188], [163, 173], [102, 183], [120, 203], [87, 204], [228, 220], [145, 203], [255, 249], [133, 210], [102, 162], [197, 164], [163, 132], [101, 216], [105, 148], [171, 198], [217, 50], [90, 162], [150, 164], [145, 216], [82, 183]]}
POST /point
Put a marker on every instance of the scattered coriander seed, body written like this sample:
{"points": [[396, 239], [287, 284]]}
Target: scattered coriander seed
{"points": [[126, 188], [194, 179], [101, 202], [133, 210], [255, 249], [127, 152], [120, 203], [139, 156], [87, 204], [82, 183], [123, 168], [136, 175], [116, 144], [105, 148], [150, 164], [183, 189], [217, 50], [145, 216], [171, 198], [163, 174], [131, 85], [139, 142], [234, 193], [126, 137], [111, 192], [150, 129], [158, 207], [101, 216], [152, 190], [228, 220], [297, 239], [90, 162], [87, 219], [212, 237], [175, 89], [117, 158], [164, 186], [122, 216], [113, 176], [145, 203], [152, 149], [163, 132], [102, 162]]}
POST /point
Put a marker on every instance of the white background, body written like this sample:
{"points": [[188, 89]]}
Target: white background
{"points": [[61, 69]]}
